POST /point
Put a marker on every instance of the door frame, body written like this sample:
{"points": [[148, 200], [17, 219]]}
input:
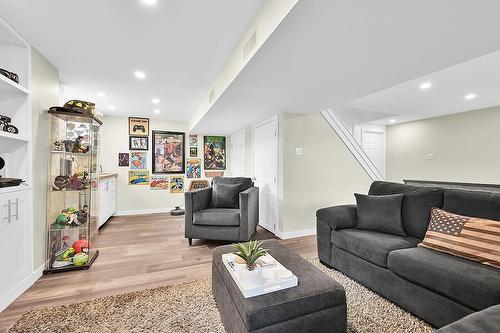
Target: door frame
{"points": [[275, 119], [383, 153]]}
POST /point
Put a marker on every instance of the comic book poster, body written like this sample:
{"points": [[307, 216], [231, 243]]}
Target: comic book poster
{"points": [[193, 168], [138, 161], [176, 184], [214, 152], [193, 152], [138, 177], [168, 152], [123, 159], [159, 183], [193, 140]]}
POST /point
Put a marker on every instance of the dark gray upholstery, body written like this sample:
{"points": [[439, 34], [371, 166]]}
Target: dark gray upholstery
{"points": [[244, 183], [371, 245], [226, 195], [317, 304], [203, 221], [380, 213], [217, 217], [436, 287], [485, 321], [470, 283], [417, 204]]}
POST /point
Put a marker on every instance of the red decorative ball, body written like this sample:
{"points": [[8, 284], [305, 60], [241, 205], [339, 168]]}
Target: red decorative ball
{"points": [[81, 245]]}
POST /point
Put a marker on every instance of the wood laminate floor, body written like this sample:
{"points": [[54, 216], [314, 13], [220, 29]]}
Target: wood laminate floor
{"points": [[136, 252]]}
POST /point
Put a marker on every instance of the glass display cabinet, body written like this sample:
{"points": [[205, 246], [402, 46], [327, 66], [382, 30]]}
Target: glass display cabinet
{"points": [[72, 191]]}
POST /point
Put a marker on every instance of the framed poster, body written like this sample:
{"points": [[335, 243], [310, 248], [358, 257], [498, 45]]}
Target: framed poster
{"points": [[197, 184], [159, 183], [193, 152], [193, 140], [168, 152], [193, 168], [138, 177], [176, 184], [214, 152], [138, 126], [138, 143], [123, 159], [138, 161]]}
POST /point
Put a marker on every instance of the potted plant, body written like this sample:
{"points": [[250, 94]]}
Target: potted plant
{"points": [[250, 252]]}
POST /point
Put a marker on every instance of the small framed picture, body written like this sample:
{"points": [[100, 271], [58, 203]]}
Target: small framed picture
{"points": [[193, 140], [193, 152], [123, 159], [197, 184], [138, 143], [138, 126]]}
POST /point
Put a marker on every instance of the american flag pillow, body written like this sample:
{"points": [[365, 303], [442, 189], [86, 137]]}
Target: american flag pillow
{"points": [[467, 237]]}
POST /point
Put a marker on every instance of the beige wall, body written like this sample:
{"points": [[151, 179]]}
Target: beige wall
{"points": [[465, 147], [45, 93], [114, 140], [326, 175]]}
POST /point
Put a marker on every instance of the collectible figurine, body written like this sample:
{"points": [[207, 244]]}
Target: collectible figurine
{"points": [[79, 147], [6, 126]]}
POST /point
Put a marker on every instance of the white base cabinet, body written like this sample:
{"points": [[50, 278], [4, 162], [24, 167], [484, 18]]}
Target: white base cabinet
{"points": [[107, 198]]}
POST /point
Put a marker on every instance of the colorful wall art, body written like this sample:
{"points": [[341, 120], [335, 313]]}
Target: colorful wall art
{"points": [[123, 159], [214, 152], [193, 168], [159, 183], [138, 177], [138, 143], [138, 161], [176, 184], [168, 152], [138, 126]]}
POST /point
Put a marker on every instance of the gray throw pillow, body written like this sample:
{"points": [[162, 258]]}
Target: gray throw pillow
{"points": [[380, 213], [226, 195]]}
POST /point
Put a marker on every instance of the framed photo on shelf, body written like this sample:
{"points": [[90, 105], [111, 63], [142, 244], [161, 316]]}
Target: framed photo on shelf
{"points": [[168, 152], [214, 152], [138, 143], [193, 152], [138, 126]]}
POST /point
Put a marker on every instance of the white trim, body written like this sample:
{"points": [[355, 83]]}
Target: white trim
{"points": [[268, 120], [295, 234], [142, 211], [21, 287], [350, 142]]}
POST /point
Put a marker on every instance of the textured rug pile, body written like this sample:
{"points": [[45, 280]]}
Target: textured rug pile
{"points": [[190, 307]]}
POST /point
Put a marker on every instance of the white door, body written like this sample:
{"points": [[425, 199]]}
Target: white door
{"points": [[238, 154], [373, 143], [265, 170]]}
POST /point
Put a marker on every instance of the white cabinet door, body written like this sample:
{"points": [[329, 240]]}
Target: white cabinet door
{"points": [[16, 242]]}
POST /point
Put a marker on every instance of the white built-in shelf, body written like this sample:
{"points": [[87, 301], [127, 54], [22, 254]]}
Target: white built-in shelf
{"points": [[13, 137], [10, 189], [9, 88]]}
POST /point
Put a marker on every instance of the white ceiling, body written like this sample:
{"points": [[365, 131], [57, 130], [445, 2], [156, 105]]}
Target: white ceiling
{"points": [[97, 45], [406, 102], [329, 53]]}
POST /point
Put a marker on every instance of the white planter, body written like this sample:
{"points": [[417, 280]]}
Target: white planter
{"points": [[250, 277]]}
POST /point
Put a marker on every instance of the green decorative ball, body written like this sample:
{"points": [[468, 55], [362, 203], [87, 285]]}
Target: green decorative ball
{"points": [[80, 259]]}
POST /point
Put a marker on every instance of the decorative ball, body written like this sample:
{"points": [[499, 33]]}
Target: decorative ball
{"points": [[80, 259]]}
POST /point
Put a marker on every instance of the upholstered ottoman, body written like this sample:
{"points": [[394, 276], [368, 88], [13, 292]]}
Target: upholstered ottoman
{"points": [[317, 304]]}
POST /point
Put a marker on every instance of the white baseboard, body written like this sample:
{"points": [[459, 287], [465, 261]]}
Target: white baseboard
{"points": [[21, 288], [142, 211], [295, 234]]}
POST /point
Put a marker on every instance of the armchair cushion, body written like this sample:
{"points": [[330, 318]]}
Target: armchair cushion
{"points": [[220, 217], [226, 195], [243, 182]]}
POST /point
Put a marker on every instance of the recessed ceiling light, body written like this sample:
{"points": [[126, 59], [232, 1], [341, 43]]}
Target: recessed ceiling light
{"points": [[392, 121], [156, 111], [470, 96], [112, 107], [140, 75], [425, 85], [149, 2], [155, 101], [101, 94]]}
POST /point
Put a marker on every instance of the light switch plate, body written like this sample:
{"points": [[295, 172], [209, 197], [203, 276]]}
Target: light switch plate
{"points": [[299, 151]]}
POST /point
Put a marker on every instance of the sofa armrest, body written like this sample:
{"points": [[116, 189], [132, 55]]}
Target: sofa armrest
{"points": [[195, 201], [249, 212], [338, 217]]}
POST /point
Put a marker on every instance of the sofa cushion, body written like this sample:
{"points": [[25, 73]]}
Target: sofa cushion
{"points": [[467, 282], [222, 217], [473, 203], [380, 213], [244, 182], [371, 246], [485, 321], [417, 204], [471, 238], [226, 195]]}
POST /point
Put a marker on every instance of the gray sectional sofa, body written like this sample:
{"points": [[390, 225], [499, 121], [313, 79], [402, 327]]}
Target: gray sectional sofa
{"points": [[435, 286]]}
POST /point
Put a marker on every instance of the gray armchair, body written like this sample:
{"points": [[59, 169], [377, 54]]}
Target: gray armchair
{"points": [[206, 219]]}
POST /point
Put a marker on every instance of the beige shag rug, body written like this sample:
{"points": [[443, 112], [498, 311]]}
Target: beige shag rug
{"points": [[190, 307]]}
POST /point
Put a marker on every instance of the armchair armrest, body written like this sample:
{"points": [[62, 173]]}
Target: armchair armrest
{"points": [[338, 217], [249, 212], [195, 201]]}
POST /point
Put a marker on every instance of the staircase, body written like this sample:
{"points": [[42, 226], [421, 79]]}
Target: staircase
{"points": [[357, 151]]}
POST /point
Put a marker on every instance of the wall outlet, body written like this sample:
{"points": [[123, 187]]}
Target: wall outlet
{"points": [[299, 151]]}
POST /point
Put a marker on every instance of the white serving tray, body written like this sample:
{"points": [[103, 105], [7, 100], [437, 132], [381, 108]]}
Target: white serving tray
{"points": [[266, 283]]}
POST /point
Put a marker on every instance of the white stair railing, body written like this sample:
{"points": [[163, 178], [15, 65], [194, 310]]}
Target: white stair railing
{"points": [[357, 151]]}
